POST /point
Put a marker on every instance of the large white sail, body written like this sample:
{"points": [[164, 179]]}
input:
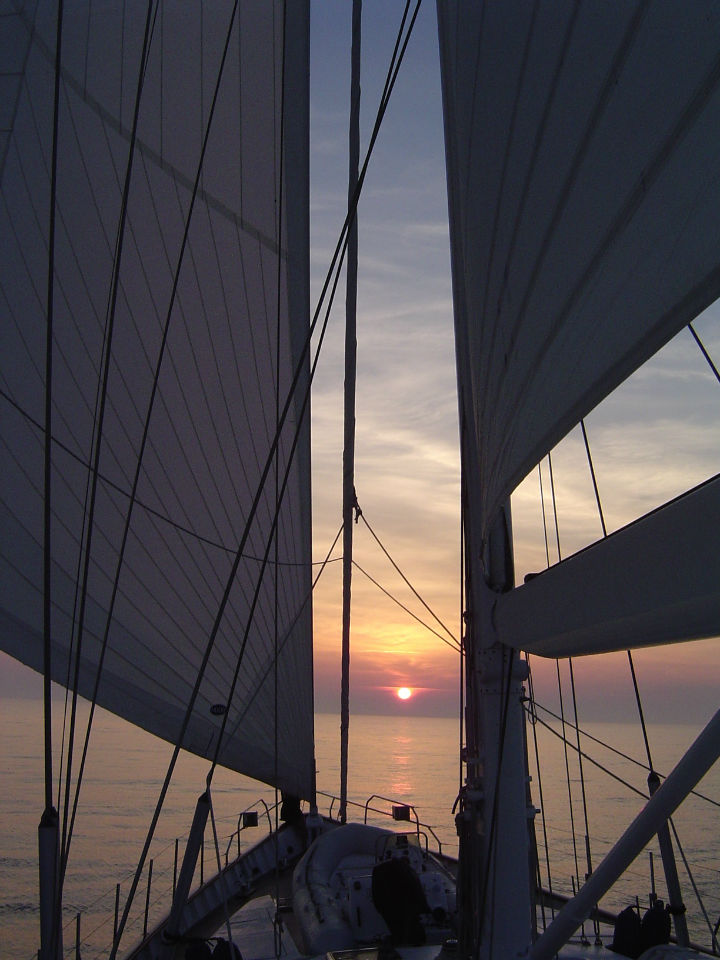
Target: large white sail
{"points": [[584, 201], [240, 309], [581, 142]]}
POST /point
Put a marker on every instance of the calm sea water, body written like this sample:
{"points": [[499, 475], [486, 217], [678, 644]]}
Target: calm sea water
{"points": [[409, 759]]}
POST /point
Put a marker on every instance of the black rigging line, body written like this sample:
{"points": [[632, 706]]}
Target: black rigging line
{"points": [[624, 756], [636, 688], [276, 517], [586, 756], [704, 352], [449, 632], [559, 681], [49, 817], [582, 772], [47, 553], [274, 538], [532, 711], [111, 485], [98, 432], [593, 477], [288, 633], [453, 646]]}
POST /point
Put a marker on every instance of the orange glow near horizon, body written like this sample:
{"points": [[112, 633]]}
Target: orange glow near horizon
{"points": [[404, 693]]}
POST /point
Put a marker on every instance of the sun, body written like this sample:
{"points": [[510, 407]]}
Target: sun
{"points": [[404, 693]]}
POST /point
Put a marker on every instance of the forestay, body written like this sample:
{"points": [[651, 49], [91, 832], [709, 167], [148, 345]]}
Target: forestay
{"points": [[241, 304]]}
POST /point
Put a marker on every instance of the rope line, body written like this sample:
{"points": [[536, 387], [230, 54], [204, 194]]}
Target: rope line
{"points": [[407, 582], [453, 646], [624, 756], [704, 352], [533, 723]]}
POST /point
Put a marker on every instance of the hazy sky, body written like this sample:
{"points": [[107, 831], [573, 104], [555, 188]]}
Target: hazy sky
{"points": [[657, 436]]}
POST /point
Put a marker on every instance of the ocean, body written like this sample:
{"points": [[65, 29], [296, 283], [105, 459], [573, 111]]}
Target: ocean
{"points": [[401, 759]]}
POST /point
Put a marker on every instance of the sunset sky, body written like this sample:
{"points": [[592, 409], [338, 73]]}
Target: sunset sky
{"points": [[656, 437], [659, 435]]}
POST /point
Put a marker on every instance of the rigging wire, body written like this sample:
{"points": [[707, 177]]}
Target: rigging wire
{"points": [[50, 884], [151, 511], [349, 498], [50, 925], [533, 721], [553, 500], [277, 920], [98, 434], [696, 891], [704, 352], [622, 755], [47, 516], [532, 710], [636, 790], [453, 646], [447, 630]]}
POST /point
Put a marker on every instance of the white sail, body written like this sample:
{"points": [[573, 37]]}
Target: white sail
{"points": [[240, 307], [581, 143]]}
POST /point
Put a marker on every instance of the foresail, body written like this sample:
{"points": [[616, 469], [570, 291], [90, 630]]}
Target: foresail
{"points": [[207, 336], [584, 201]]}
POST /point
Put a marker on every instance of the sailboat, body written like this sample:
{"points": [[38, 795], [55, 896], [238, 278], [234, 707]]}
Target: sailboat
{"points": [[158, 353]]}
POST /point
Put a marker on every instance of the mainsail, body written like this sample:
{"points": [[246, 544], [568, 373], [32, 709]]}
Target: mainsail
{"points": [[233, 297], [581, 143]]}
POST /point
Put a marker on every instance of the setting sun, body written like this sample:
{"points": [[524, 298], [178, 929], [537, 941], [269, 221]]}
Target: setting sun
{"points": [[404, 693]]}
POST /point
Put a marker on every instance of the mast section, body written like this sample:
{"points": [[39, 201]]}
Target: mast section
{"points": [[495, 881], [349, 500]]}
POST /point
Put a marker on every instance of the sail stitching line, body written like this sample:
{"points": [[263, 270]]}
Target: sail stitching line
{"points": [[537, 144], [112, 485], [71, 116], [147, 151], [606, 92]]}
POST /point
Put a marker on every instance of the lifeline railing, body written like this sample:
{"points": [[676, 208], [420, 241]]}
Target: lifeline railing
{"points": [[155, 875]]}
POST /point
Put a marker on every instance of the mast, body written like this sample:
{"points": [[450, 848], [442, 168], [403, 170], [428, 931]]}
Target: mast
{"points": [[349, 500], [495, 895]]}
